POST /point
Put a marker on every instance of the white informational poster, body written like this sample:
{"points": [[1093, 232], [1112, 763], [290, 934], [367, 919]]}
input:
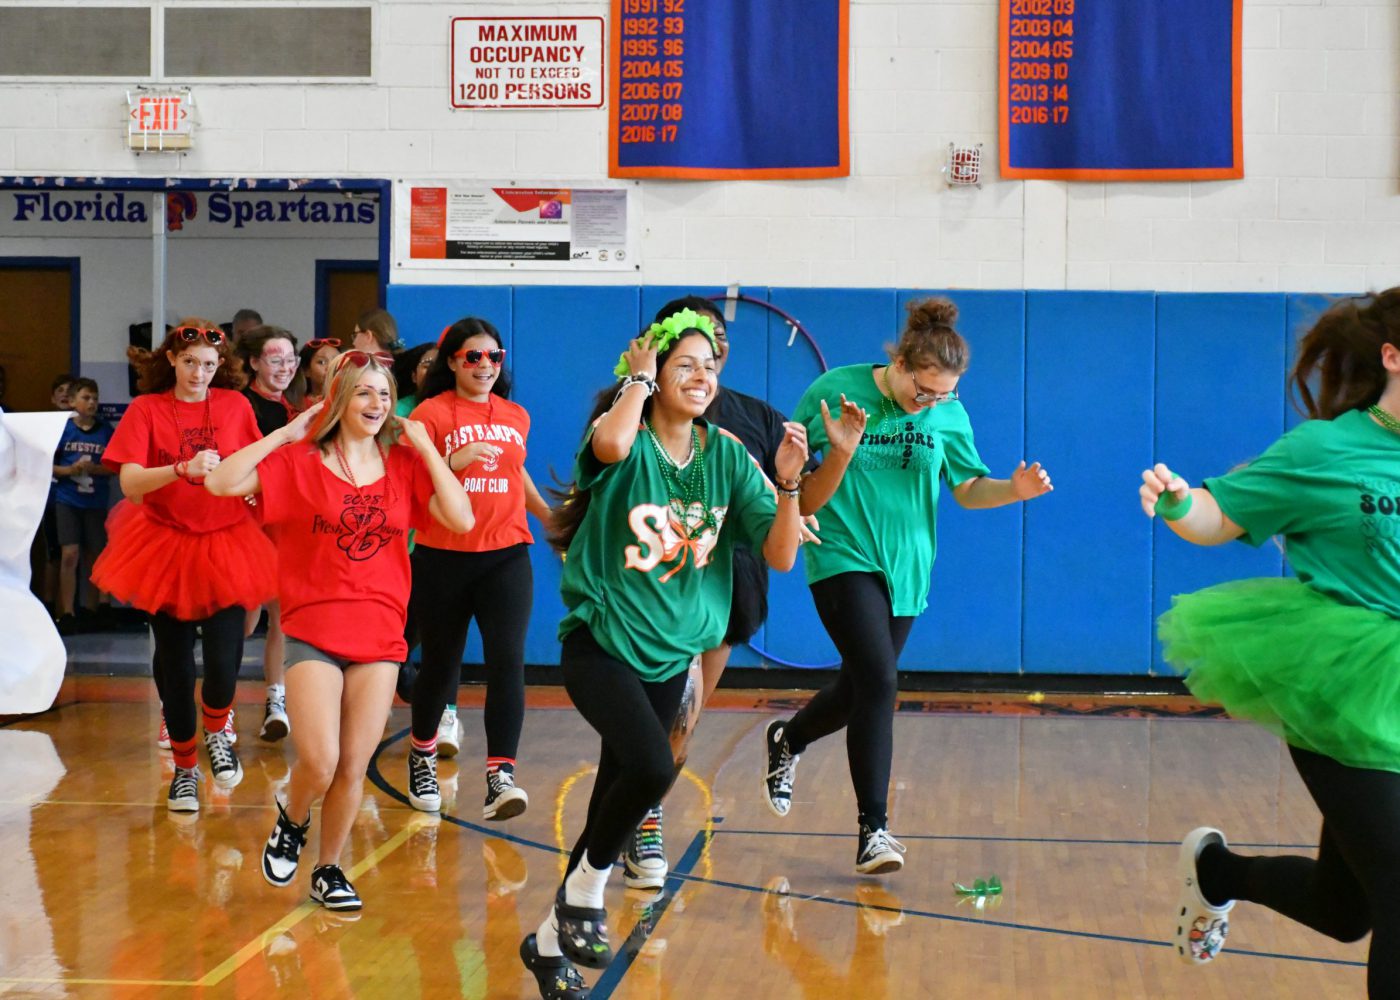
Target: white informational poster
{"points": [[527, 62], [465, 224]]}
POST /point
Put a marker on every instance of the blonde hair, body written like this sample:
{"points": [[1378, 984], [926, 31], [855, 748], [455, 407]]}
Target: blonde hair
{"points": [[342, 378], [929, 340]]}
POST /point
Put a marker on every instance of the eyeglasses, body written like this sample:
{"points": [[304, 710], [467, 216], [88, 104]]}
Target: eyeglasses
{"points": [[193, 365], [192, 334], [324, 342], [924, 397], [279, 360], [474, 357], [426, 360]]}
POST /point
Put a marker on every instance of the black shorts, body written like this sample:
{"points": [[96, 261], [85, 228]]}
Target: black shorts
{"points": [[749, 608], [81, 526]]}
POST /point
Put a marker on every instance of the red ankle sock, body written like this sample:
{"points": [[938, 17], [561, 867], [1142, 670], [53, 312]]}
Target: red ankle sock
{"points": [[506, 764], [428, 746], [215, 718], [184, 751]]}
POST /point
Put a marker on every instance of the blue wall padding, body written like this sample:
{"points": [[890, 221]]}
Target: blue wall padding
{"points": [[979, 628], [1219, 402], [1095, 385], [1088, 562], [1303, 311], [421, 311]]}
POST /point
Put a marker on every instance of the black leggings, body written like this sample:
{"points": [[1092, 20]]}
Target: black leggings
{"points": [[173, 666], [855, 608], [449, 590], [1352, 886], [635, 766]]}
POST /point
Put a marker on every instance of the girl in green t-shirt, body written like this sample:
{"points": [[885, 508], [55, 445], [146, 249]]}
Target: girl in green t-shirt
{"points": [[659, 500], [878, 495], [1315, 658]]}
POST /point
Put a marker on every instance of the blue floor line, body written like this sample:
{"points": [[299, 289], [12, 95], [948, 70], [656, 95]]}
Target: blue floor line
{"points": [[627, 954], [683, 873]]}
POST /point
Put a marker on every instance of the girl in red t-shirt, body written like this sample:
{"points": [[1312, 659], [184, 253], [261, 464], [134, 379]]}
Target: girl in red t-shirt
{"points": [[339, 509], [484, 574], [190, 560]]}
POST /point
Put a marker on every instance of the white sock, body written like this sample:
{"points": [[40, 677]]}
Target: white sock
{"points": [[585, 885], [547, 937], [277, 689]]}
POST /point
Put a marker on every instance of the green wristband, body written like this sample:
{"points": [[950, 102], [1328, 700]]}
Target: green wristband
{"points": [[1169, 508]]}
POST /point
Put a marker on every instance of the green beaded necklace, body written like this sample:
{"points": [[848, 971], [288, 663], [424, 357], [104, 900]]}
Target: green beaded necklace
{"points": [[888, 407], [1385, 419], [685, 489]]}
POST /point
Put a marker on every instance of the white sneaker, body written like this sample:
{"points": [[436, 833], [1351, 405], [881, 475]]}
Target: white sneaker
{"points": [[1201, 928], [449, 740], [163, 737], [275, 723], [229, 732]]}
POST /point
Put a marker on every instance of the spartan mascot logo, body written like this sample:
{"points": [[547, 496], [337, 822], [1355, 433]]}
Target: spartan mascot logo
{"points": [[179, 206]]}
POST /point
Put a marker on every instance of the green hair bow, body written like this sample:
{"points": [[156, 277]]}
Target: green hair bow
{"points": [[668, 331]]}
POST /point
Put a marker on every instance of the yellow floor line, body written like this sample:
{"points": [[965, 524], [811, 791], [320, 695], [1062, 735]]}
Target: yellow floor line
{"points": [[226, 968]]}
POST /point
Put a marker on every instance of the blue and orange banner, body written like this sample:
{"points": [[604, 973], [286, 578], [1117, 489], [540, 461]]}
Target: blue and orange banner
{"points": [[728, 89], [1121, 90]]}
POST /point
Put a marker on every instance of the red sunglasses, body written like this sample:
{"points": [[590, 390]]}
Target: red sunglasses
{"points": [[192, 334], [474, 357], [362, 358], [324, 342]]}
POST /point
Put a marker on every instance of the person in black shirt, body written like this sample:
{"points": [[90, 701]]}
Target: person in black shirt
{"points": [[759, 428], [270, 355]]}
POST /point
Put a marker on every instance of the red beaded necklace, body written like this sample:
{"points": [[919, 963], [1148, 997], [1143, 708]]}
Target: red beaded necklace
{"points": [[206, 431], [390, 493]]}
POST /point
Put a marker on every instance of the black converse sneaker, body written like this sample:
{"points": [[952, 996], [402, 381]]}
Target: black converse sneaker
{"points": [[333, 890], [223, 760], [878, 852], [423, 790], [781, 769], [646, 866], [283, 848], [503, 799], [184, 790]]}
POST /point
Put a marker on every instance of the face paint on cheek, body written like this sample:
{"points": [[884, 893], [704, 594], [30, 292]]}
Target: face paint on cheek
{"points": [[676, 377]]}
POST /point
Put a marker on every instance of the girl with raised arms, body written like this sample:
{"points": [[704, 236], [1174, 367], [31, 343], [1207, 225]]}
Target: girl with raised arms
{"points": [[878, 495], [659, 498], [340, 506]]}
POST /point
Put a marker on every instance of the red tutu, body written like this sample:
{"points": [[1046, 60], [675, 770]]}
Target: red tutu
{"points": [[188, 575]]}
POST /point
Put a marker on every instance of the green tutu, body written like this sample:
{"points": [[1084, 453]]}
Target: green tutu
{"points": [[1323, 675]]}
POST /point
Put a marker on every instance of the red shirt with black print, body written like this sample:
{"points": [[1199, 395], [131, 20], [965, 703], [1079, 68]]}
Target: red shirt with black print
{"points": [[496, 486], [158, 429], [342, 554]]}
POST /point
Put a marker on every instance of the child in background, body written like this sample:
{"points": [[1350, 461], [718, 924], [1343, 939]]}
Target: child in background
{"points": [[80, 499]]}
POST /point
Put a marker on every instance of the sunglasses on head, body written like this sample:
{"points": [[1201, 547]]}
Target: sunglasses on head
{"points": [[474, 357], [192, 334], [324, 342], [362, 358]]}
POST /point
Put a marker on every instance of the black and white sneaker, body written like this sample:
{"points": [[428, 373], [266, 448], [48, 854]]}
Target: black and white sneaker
{"points": [[184, 790], [781, 768], [283, 848], [223, 760], [333, 890], [503, 798], [645, 866], [423, 791], [275, 725], [878, 852]]}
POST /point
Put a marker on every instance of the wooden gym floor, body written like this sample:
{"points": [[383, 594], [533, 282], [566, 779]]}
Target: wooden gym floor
{"points": [[1076, 804]]}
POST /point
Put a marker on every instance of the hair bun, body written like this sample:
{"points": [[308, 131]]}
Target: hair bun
{"points": [[928, 314]]}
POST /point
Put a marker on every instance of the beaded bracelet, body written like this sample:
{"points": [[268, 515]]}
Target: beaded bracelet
{"points": [[643, 380], [793, 494]]}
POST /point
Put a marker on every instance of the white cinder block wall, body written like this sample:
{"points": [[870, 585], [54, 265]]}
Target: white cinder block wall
{"points": [[1317, 211]]}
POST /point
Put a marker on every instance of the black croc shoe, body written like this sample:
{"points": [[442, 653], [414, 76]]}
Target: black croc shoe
{"points": [[583, 933], [557, 977]]}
